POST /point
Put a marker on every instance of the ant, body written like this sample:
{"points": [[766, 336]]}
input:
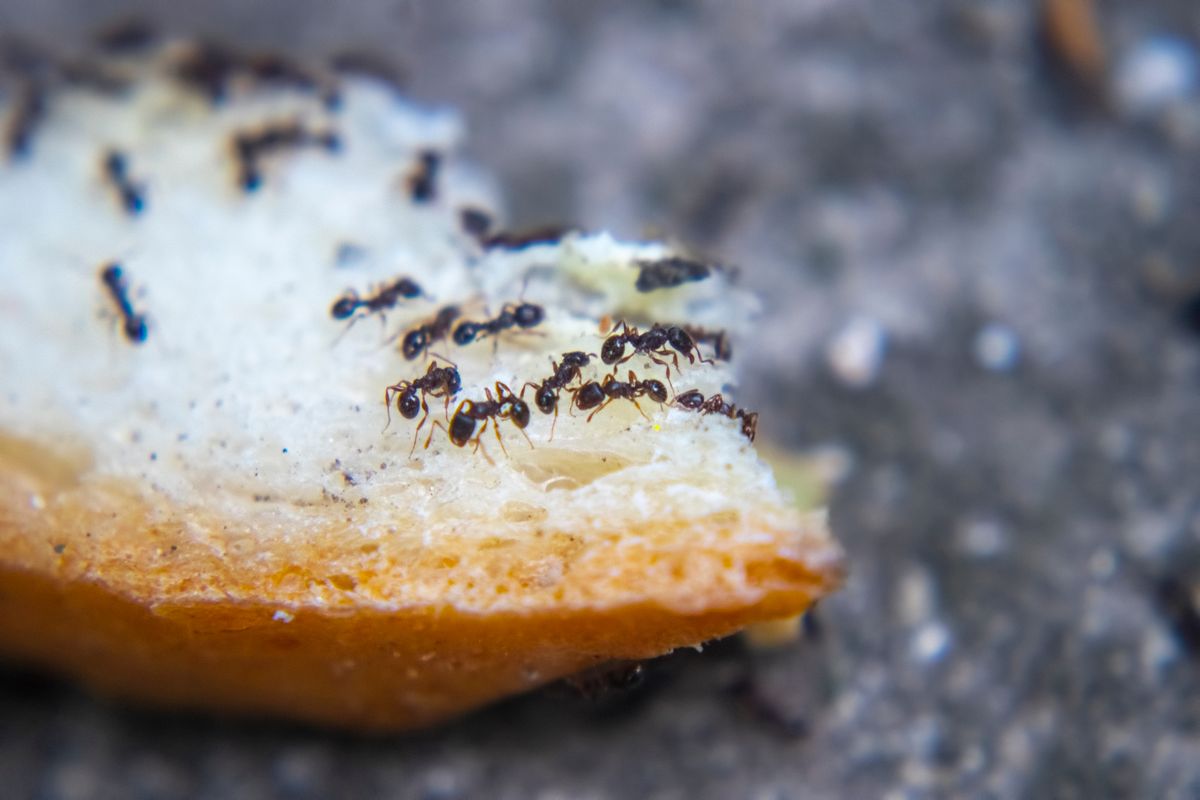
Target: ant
{"points": [[693, 400], [546, 394], [410, 395], [653, 343], [250, 147], [521, 315], [719, 339], [418, 340], [505, 405], [384, 298], [116, 168], [599, 395], [113, 278], [422, 181], [29, 109]]}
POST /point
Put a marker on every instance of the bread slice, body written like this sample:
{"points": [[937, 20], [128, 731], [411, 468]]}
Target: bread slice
{"points": [[204, 501]]}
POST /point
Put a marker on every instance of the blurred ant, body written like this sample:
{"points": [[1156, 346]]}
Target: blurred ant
{"points": [[599, 395], [134, 324], [505, 405], [250, 147], [719, 339], [693, 400], [116, 169], [422, 181], [410, 395], [653, 343], [385, 297], [519, 315], [29, 109], [418, 340], [546, 395]]}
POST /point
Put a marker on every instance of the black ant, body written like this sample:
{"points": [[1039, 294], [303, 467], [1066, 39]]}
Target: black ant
{"points": [[546, 395], [134, 324], [520, 315], [116, 168], [29, 108], [250, 147], [653, 343], [505, 405], [693, 400], [418, 340], [384, 298], [599, 395], [410, 395], [422, 182], [669, 272], [719, 339]]}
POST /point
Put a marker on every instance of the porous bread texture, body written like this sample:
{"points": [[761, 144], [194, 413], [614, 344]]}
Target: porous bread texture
{"points": [[230, 481]]}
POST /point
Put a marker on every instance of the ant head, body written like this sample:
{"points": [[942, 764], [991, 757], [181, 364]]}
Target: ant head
{"points": [[657, 392], [344, 307], [453, 380], [576, 358]]}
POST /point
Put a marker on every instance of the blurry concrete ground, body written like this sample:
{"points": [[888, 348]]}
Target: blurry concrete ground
{"points": [[983, 286]]}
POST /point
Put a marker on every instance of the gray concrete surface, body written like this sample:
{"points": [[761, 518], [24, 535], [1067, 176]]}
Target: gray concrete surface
{"points": [[978, 282]]}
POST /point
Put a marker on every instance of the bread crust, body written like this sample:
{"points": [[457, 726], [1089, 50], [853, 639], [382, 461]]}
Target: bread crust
{"points": [[129, 596]]}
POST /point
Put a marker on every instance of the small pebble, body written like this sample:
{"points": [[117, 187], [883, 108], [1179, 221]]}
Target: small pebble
{"points": [[997, 347], [855, 354], [1158, 72]]}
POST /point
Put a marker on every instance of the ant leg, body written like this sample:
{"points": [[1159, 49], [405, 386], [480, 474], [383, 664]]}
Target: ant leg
{"points": [[417, 432], [639, 408], [496, 430], [600, 408], [346, 329], [479, 444], [666, 367], [554, 423], [434, 426]]}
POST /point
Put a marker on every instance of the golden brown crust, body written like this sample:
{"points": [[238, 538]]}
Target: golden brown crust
{"points": [[134, 599]]}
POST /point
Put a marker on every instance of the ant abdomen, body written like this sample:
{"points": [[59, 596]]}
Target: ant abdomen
{"points": [[589, 396], [691, 400], [612, 350], [408, 404], [656, 390], [546, 400]]}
